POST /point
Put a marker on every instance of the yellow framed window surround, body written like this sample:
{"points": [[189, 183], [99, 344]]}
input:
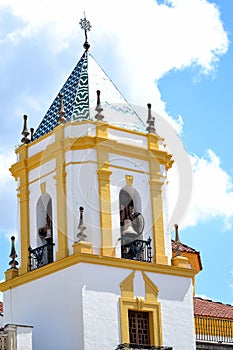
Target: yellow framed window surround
{"points": [[140, 318]]}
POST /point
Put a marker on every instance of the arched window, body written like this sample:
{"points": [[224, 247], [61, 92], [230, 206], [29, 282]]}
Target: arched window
{"points": [[44, 219], [43, 253], [126, 206], [130, 213], [132, 225]]}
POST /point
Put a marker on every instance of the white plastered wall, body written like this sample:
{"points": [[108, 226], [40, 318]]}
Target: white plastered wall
{"points": [[40, 145], [82, 191], [79, 307], [128, 138], [78, 129], [24, 338]]}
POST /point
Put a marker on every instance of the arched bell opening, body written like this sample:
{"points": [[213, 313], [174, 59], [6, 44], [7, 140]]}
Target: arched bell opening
{"points": [[131, 219], [44, 220], [43, 253], [132, 224]]}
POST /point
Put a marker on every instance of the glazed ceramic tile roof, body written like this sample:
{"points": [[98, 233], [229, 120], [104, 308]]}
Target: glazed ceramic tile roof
{"points": [[79, 99]]}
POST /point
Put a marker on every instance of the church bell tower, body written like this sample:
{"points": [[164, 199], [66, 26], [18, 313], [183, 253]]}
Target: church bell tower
{"points": [[95, 261]]}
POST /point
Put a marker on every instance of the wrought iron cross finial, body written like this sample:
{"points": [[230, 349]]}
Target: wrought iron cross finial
{"points": [[85, 25]]}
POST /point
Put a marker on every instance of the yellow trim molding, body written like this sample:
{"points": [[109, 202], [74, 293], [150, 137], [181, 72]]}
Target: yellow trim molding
{"points": [[43, 187], [82, 247], [193, 260], [60, 178], [97, 260], [157, 213], [129, 180], [85, 142], [11, 273], [102, 130], [126, 286], [129, 301], [151, 289], [180, 261], [23, 196], [106, 248], [104, 174]]}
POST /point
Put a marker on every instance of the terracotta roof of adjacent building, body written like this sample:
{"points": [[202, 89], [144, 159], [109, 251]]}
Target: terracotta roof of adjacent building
{"points": [[209, 308], [183, 247], [1, 307]]}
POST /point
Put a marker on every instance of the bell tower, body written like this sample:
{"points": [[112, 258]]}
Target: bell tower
{"points": [[95, 259]]}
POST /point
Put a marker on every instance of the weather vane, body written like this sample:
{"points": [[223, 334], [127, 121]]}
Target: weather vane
{"points": [[85, 25]]}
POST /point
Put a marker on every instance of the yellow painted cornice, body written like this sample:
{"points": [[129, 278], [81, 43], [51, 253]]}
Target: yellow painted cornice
{"points": [[84, 142], [152, 139], [97, 260], [18, 167], [193, 259], [89, 142], [22, 152]]}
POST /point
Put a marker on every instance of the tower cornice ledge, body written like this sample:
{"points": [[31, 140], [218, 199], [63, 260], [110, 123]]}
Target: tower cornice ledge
{"points": [[88, 138], [97, 260]]}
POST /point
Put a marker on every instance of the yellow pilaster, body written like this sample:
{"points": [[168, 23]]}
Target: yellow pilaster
{"points": [[104, 174], [23, 196], [101, 131], [158, 227], [82, 247], [11, 273], [156, 204], [106, 248], [24, 228], [152, 140], [60, 178], [180, 261]]}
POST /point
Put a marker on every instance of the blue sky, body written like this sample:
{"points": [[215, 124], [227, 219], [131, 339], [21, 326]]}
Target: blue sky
{"points": [[175, 54]]}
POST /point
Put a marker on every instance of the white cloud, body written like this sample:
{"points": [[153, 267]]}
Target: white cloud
{"points": [[7, 196], [212, 192], [146, 40], [6, 160], [156, 38], [203, 296]]}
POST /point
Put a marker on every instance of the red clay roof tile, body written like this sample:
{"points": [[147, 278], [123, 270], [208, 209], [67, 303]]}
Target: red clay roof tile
{"points": [[183, 247], [209, 308]]}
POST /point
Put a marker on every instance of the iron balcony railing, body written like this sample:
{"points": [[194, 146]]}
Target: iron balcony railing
{"points": [[41, 256], [214, 329], [137, 249], [141, 347]]}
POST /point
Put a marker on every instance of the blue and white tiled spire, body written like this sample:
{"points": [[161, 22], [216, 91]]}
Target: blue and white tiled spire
{"points": [[75, 99], [79, 95]]}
